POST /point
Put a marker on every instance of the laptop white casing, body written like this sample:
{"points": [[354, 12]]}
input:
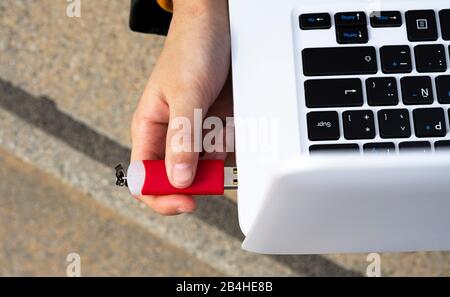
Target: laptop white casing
{"points": [[290, 203]]}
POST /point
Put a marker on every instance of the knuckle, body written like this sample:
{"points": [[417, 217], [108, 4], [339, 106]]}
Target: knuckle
{"points": [[138, 123], [192, 93]]}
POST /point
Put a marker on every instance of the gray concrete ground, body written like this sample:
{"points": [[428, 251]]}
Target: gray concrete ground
{"points": [[68, 88], [44, 220]]}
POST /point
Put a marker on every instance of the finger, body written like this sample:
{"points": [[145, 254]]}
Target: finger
{"points": [[170, 205], [148, 134], [149, 127], [184, 142]]}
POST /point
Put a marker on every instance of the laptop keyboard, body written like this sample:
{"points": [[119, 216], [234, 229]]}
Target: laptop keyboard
{"points": [[377, 98]]}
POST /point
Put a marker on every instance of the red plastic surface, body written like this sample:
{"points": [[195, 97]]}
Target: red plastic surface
{"points": [[209, 179]]}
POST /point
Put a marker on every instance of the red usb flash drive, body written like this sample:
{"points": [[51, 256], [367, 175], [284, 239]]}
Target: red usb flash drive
{"points": [[150, 178]]}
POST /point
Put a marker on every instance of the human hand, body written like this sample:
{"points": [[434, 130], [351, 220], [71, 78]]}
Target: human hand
{"points": [[191, 73]]}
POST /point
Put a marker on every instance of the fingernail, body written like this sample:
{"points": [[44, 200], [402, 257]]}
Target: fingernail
{"points": [[182, 174]]}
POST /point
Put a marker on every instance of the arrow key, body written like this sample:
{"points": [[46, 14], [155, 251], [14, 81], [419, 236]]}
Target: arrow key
{"points": [[380, 19], [315, 21], [352, 35], [351, 19]]}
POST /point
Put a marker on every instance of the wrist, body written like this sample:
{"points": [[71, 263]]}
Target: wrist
{"points": [[200, 8]]}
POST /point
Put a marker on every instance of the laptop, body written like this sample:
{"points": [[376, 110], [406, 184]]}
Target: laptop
{"points": [[342, 124]]}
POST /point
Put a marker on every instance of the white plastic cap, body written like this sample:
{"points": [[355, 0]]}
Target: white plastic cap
{"points": [[136, 177]]}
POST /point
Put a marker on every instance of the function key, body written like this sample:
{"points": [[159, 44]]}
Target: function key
{"points": [[379, 148], [382, 91], [334, 148], [444, 15], [380, 19], [333, 93], [323, 125], [419, 146], [359, 124], [351, 19], [347, 35], [396, 59], [417, 90], [430, 122], [421, 25], [394, 123], [315, 21], [339, 61], [430, 58], [443, 88]]}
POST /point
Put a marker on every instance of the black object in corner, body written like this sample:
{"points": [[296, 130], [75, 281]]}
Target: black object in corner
{"points": [[147, 16]]}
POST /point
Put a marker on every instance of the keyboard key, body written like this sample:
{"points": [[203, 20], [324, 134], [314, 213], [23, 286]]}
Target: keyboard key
{"points": [[379, 148], [334, 148], [339, 61], [444, 15], [315, 21], [430, 58], [379, 19], [348, 35], [442, 146], [396, 59], [394, 123], [430, 122], [359, 124], [420, 146], [421, 25], [351, 19], [323, 125], [382, 91], [417, 90], [443, 88], [333, 93]]}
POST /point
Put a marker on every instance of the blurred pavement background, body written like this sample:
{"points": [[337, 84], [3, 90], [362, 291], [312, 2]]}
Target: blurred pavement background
{"points": [[68, 87]]}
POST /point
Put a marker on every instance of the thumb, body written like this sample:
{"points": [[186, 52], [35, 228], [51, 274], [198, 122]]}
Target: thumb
{"points": [[184, 142]]}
